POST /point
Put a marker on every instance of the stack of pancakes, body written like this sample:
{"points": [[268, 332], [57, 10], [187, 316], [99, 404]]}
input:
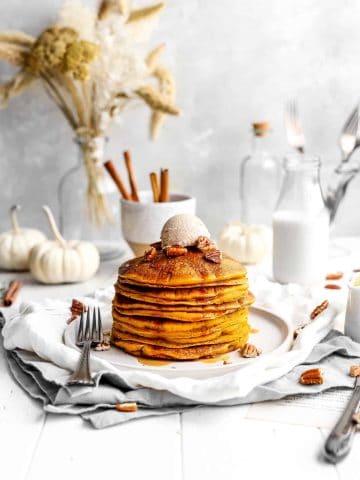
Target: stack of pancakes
{"points": [[180, 308]]}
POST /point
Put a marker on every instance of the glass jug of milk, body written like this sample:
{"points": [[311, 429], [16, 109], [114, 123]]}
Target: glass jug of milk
{"points": [[300, 224]]}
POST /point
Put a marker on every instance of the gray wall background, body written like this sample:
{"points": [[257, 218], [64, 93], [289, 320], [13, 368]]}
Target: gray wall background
{"points": [[235, 61]]}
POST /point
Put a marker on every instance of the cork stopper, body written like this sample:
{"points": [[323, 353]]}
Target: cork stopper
{"points": [[261, 128]]}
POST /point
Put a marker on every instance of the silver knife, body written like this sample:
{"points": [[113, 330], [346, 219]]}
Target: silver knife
{"points": [[339, 442]]}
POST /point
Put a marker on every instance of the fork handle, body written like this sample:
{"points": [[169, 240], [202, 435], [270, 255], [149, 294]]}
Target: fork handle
{"points": [[339, 442], [82, 375]]}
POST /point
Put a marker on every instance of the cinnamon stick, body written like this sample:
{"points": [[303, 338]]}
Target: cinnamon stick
{"points": [[110, 167], [154, 186], [129, 167], [12, 292], [164, 185]]}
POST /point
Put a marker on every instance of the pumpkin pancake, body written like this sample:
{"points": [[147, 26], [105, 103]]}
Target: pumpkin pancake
{"points": [[185, 296], [126, 304], [190, 353], [151, 327], [226, 336], [189, 269], [120, 333], [180, 316], [221, 283], [180, 313]]}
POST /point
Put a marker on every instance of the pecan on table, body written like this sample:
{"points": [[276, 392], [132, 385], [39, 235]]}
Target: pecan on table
{"points": [[126, 407], [319, 309], [334, 276], [314, 376]]}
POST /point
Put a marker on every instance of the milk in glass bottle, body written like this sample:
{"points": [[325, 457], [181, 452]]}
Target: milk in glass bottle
{"points": [[259, 180], [300, 224]]}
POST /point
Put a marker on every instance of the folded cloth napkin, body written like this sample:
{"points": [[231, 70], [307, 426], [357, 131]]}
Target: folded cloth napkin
{"points": [[41, 363]]}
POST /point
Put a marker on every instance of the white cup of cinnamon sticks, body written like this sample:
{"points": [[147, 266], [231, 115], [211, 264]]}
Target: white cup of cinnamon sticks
{"points": [[144, 212], [142, 221]]}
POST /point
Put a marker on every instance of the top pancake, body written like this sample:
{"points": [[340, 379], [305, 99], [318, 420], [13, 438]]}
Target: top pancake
{"points": [[184, 296], [190, 269]]}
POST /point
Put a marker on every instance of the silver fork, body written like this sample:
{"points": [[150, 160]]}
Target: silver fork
{"points": [[349, 139], [88, 334], [293, 126]]}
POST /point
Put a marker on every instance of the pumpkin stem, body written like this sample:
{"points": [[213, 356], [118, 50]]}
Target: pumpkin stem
{"points": [[53, 226], [14, 220]]}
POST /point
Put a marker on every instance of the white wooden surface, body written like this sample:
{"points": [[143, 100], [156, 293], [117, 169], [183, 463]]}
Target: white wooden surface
{"points": [[205, 443]]}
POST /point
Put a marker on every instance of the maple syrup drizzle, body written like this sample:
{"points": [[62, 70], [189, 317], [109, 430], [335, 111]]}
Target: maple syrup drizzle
{"points": [[219, 358], [152, 362]]}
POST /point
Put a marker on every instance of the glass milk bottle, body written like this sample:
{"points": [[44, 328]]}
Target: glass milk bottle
{"points": [[259, 180], [300, 224]]}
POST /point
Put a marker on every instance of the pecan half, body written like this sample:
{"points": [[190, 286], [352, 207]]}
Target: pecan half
{"points": [[102, 347], [204, 244], [126, 407], [76, 309], [213, 256], [150, 254], [332, 286], [334, 276], [319, 309], [314, 376], [354, 371], [250, 351], [175, 251]]}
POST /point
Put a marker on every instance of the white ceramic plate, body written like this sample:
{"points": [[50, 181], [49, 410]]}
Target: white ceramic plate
{"points": [[273, 335]]}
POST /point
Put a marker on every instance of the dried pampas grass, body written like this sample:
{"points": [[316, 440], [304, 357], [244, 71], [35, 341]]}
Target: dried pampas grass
{"points": [[91, 63], [12, 54], [167, 88], [156, 101], [112, 6], [145, 13], [152, 59], [14, 87], [17, 38]]}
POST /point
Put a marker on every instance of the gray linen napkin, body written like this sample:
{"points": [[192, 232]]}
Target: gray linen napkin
{"points": [[335, 354]]}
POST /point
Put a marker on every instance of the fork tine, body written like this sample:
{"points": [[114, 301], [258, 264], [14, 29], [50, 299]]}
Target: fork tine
{"points": [[87, 326], [94, 326], [353, 115], [353, 127], [100, 331], [80, 330]]}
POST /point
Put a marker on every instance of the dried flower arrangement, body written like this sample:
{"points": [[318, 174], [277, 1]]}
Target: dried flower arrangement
{"points": [[91, 63]]}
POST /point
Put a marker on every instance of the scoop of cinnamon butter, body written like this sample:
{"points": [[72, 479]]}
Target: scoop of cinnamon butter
{"points": [[184, 230]]}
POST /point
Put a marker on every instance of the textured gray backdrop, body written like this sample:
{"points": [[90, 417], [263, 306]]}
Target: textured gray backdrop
{"points": [[235, 62]]}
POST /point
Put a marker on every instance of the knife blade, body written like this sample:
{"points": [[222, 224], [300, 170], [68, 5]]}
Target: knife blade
{"points": [[338, 443]]}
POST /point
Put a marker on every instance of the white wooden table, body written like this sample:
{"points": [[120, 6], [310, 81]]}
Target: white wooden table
{"points": [[205, 443]]}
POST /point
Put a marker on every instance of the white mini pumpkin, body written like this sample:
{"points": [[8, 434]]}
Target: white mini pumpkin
{"points": [[15, 245], [60, 261], [246, 243]]}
